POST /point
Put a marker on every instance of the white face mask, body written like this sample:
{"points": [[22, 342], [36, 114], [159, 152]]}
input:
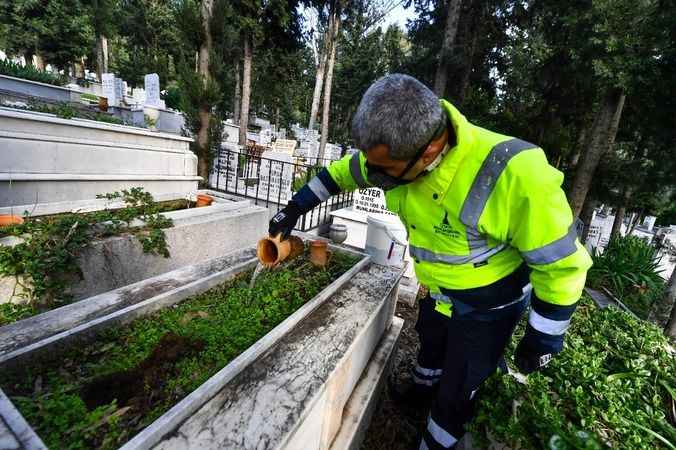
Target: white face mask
{"points": [[433, 165]]}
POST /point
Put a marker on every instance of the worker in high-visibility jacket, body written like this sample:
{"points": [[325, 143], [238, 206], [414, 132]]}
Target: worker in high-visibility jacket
{"points": [[489, 230]]}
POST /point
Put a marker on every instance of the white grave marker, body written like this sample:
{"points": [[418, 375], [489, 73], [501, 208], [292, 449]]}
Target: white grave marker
{"points": [[371, 201], [276, 177], [108, 87], [152, 88]]}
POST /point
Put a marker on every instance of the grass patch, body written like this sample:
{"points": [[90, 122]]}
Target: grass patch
{"points": [[131, 375]]}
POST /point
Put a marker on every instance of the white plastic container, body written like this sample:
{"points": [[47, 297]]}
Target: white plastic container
{"points": [[386, 240]]}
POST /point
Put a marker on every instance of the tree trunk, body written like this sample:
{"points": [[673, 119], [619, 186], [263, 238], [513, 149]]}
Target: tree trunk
{"points": [[637, 219], [39, 62], [319, 77], [581, 141], [28, 56], [237, 101], [204, 111], [101, 56], [670, 329], [620, 213], [246, 89], [602, 138], [463, 86], [586, 217], [447, 46], [331, 48]]}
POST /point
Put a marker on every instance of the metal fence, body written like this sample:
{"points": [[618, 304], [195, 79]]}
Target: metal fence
{"points": [[271, 183]]}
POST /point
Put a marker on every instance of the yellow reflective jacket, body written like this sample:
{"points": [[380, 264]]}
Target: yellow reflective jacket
{"points": [[492, 203]]}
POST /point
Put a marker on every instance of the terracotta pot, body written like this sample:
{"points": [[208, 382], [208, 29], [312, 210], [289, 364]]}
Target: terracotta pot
{"points": [[272, 250], [8, 219], [204, 200], [103, 104], [319, 254]]}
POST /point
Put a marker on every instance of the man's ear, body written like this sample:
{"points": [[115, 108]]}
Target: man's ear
{"points": [[430, 153]]}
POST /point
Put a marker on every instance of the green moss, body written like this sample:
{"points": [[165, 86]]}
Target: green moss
{"points": [[227, 320], [10, 312], [612, 386]]}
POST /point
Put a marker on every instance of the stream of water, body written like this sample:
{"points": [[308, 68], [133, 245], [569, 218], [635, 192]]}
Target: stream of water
{"points": [[257, 271]]}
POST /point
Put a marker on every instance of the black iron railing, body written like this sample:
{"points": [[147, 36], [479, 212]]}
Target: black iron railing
{"points": [[271, 183]]}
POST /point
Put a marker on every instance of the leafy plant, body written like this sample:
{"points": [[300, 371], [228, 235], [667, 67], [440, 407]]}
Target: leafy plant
{"points": [[46, 260], [612, 387], [227, 319], [11, 69], [629, 268]]}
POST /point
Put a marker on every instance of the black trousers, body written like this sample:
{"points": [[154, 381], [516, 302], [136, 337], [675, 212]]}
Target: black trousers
{"points": [[459, 353]]}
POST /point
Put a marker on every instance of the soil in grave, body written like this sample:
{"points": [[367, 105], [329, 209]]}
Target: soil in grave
{"points": [[102, 393]]}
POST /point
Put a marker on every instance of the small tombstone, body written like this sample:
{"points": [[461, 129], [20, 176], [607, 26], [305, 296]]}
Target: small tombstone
{"points": [[371, 201], [108, 87], [152, 89]]}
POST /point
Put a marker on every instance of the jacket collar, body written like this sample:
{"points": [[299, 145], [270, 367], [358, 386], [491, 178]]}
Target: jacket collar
{"points": [[439, 179]]}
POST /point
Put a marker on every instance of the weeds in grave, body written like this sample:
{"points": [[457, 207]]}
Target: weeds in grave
{"points": [[186, 344], [613, 386], [45, 263]]}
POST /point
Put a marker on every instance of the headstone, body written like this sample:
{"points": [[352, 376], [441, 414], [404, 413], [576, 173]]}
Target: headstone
{"points": [[108, 85], [152, 88], [371, 201], [139, 95], [276, 177], [284, 146], [119, 89]]}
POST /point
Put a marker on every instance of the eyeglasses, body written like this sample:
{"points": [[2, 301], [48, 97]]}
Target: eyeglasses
{"points": [[436, 135]]}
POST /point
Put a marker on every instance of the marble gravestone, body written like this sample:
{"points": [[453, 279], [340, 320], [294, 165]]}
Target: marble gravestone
{"points": [[152, 90], [108, 86]]}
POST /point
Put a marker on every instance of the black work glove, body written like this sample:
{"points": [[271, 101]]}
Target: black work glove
{"points": [[534, 353], [284, 221]]}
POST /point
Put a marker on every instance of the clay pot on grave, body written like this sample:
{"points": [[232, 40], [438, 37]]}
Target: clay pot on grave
{"points": [[7, 220], [103, 104], [204, 200], [273, 250], [319, 253]]}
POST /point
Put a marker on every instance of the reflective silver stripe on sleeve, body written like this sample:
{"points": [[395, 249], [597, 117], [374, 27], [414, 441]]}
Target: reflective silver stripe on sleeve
{"points": [[355, 171], [547, 326], [488, 175], [483, 254], [418, 380], [318, 188], [428, 372], [423, 445], [440, 435], [553, 251]]}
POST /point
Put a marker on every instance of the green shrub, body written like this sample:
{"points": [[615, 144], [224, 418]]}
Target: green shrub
{"points": [[172, 99], [629, 269], [11, 69], [613, 386]]}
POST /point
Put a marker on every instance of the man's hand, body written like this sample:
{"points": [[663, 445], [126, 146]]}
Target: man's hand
{"points": [[284, 221], [529, 359]]}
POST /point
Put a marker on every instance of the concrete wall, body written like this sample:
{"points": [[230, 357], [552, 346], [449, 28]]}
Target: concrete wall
{"points": [[36, 89], [119, 260], [45, 159]]}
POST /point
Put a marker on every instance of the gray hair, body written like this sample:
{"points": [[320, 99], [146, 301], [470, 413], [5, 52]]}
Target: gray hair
{"points": [[397, 111]]}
